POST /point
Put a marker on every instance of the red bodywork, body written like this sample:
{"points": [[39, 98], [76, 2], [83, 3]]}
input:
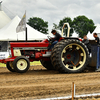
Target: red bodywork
{"points": [[28, 44], [38, 46]]}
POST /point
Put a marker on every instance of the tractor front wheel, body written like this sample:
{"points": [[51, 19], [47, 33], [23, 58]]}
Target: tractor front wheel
{"points": [[21, 64]]}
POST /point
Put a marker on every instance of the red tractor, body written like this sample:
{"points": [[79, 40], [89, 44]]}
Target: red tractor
{"points": [[69, 55]]}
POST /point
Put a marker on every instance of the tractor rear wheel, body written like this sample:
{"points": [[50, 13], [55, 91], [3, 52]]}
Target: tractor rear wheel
{"points": [[47, 64], [70, 56], [9, 66], [21, 64]]}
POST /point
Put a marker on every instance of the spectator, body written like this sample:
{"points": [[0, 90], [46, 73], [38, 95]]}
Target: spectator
{"points": [[86, 42], [98, 52], [96, 38]]}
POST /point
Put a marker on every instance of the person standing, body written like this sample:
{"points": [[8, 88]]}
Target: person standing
{"points": [[86, 42], [96, 38], [98, 51]]}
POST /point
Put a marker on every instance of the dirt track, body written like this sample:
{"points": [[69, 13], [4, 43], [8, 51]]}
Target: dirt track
{"points": [[40, 83]]}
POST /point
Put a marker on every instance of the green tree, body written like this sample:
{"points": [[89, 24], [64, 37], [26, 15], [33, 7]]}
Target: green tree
{"points": [[61, 23], [55, 26], [82, 25], [38, 24]]}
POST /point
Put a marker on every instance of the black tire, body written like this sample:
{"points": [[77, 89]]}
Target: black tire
{"points": [[21, 64], [70, 56], [9, 66], [47, 64]]}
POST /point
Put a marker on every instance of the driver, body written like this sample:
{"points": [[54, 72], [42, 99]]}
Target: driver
{"points": [[55, 39]]}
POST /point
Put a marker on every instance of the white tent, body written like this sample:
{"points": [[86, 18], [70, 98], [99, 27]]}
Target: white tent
{"points": [[90, 36], [74, 35], [4, 19], [97, 30], [8, 32]]}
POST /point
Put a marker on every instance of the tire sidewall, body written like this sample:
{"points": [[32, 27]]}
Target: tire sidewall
{"points": [[9, 67]]}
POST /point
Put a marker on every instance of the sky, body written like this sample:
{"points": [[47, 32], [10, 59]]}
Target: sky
{"points": [[54, 10]]}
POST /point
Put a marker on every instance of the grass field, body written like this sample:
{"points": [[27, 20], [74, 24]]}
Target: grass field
{"points": [[35, 63], [2, 65], [31, 63]]}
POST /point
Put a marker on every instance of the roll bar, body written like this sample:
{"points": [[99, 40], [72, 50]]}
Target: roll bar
{"points": [[68, 29]]}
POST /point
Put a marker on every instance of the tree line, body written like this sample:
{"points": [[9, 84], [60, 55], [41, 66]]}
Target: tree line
{"points": [[80, 24]]}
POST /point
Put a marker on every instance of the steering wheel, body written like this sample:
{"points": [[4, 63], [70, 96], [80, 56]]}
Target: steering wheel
{"points": [[49, 38]]}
